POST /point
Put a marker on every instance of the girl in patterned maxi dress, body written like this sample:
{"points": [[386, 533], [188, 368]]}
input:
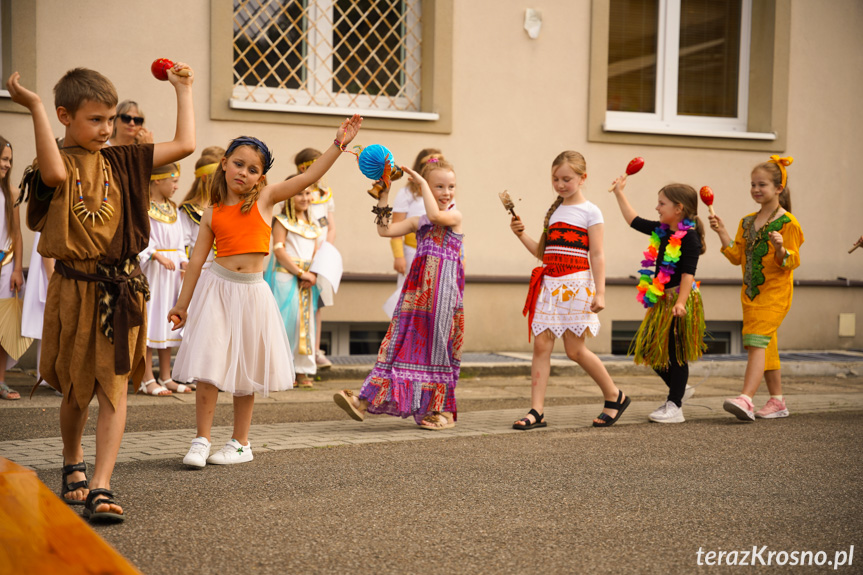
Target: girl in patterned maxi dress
{"points": [[420, 357]]}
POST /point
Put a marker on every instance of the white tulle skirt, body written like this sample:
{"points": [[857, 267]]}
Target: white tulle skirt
{"points": [[234, 336]]}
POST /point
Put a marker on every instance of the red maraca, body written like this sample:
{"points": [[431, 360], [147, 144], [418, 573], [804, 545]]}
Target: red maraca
{"points": [[633, 167], [160, 68], [707, 197]]}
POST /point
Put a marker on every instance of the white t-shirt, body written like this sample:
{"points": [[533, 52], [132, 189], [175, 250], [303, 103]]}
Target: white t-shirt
{"points": [[581, 215], [408, 204]]}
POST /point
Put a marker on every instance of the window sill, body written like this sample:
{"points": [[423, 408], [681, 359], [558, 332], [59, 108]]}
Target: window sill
{"points": [[291, 108], [683, 131], [5, 94]]}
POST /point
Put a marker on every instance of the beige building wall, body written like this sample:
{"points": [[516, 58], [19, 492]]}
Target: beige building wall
{"points": [[516, 103]]}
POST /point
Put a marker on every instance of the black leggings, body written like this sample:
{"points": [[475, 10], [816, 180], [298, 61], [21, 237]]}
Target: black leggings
{"points": [[676, 376]]}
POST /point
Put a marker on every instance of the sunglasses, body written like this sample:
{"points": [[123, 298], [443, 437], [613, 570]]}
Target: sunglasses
{"points": [[127, 119]]}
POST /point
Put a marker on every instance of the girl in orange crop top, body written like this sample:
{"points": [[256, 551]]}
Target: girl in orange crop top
{"points": [[234, 339]]}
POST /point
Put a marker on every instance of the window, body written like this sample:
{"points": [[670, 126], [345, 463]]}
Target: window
{"points": [[683, 68], [680, 65], [336, 57], [17, 49]]}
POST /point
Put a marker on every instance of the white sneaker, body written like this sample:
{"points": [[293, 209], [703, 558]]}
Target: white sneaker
{"points": [[668, 412], [198, 453], [232, 452], [688, 393]]}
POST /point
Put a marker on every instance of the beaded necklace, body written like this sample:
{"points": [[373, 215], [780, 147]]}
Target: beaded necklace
{"points": [[650, 289], [105, 210]]}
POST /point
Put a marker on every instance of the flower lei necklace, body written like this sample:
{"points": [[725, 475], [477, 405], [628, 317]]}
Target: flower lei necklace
{"points": [[651, 291]]}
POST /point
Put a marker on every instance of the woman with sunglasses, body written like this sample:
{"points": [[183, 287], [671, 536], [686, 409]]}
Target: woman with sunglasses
{"points": [[129, 125]]}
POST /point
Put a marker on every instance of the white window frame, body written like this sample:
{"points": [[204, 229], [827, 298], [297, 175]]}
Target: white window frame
{"points": [[665, 120], [320, 75], [4, 93]]}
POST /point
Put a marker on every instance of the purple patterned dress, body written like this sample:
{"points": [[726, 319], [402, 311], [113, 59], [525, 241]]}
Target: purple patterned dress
{"points": [[420, 357]]}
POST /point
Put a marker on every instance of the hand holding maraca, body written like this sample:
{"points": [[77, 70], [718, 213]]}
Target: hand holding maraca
{"points": [[707, 197], [161, 66], [633, 167]]}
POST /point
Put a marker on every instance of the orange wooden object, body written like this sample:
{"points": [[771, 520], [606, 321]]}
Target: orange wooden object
{"points": [[39, 533]]}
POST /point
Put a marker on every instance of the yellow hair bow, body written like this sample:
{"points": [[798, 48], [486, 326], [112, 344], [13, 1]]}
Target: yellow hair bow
{"points": [[782, 162]]}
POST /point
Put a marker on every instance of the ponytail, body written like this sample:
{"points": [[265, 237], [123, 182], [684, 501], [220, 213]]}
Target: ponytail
{"points": [[540, 248], [785, 199]]}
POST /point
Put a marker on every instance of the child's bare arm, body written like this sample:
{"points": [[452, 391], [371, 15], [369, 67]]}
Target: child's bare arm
{"points": [[597, 265], [437, 216], [517, 228], [626, 209], [281, 191], [193, 271], [51, 165], [183, 143], [17, 279]]}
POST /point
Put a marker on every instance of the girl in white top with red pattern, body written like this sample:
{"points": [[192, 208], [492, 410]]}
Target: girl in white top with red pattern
{"points": [[565, 294]]}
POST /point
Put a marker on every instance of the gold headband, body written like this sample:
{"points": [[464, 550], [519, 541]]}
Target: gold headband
{"points": [[206, 170], [155, 177], [305, 164], [782, 162]]}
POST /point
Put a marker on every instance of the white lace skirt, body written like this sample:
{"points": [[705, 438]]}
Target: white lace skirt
{"points": [[564, 304], [234, 336]]}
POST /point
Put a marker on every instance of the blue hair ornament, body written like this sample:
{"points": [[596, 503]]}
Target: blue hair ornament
{"points": [[255, 143]]}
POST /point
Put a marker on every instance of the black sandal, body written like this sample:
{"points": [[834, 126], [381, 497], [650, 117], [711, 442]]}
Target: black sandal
{"points": [[539, 421], [68, 470], [96, 498], [608, 421]]}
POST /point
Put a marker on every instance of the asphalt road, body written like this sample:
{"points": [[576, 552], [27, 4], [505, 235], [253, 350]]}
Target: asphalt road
{"points": [[639, 498]]}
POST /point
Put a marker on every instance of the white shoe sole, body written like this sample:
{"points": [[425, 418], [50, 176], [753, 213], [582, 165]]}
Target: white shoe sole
{"points": [[774, 415], [737, 411], [194, 463], [212, 461], [677, 419]]}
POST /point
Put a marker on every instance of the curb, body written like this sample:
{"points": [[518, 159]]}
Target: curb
{"points": [[562, 368]]}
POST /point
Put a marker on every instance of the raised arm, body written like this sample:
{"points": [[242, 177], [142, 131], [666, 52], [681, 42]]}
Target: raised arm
{"points": [[50, 162], [387, 229], [437, 216], [281, 191], [626, 208], [183, 143]]}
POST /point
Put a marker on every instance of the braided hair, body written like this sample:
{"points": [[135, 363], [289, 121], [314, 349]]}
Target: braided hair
{"points": [[575, 161]]}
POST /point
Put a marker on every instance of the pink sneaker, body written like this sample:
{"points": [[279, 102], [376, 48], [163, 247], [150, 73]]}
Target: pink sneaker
{"points": [[740, 407], [772, 409]]}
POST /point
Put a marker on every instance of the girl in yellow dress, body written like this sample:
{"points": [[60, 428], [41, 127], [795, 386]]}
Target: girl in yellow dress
{"points": [[767, 247]]}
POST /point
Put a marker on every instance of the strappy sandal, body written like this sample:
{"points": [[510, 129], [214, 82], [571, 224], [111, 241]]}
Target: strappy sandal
{"points": [[181, 387], [65, 488], [305, 382], [157, 392], [344, 400], [539, 421], [432, 422], [96, 498], [608, 421], [7, 392]]}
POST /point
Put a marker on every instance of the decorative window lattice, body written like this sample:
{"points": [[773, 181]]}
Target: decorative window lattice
{"points": [[362, 54]]}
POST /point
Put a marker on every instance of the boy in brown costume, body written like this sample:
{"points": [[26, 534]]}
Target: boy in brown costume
{"points": [[90, 203]]}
